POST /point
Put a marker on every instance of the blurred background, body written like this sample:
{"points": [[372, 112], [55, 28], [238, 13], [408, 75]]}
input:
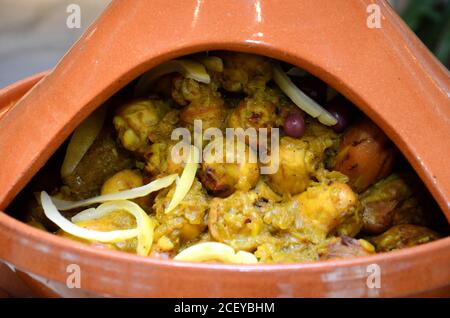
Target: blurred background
{"points": [[34, 35]]}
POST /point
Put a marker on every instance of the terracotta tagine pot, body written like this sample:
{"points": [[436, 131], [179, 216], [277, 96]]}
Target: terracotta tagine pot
{"points": [[386, 71]]}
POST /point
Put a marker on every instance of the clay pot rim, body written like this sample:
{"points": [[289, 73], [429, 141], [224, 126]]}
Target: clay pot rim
{"points": [[20, 88]]}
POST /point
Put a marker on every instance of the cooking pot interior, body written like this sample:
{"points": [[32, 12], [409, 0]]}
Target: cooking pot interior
{"points": [[392, 199]]}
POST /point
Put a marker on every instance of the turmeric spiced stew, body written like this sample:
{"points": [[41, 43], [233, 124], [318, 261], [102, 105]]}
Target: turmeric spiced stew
{"points": [[149, 172]]}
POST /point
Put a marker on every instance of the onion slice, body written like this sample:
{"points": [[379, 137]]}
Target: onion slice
{"points": [[300, 99], [82, 139], [186, 180], [143, 231], [52, 213], [214, 251], [145, 225], [138, 192], [86, 215], [187, 68]]}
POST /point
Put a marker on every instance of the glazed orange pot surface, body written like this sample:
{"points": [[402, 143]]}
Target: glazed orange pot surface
{"points": [[386, 71]]}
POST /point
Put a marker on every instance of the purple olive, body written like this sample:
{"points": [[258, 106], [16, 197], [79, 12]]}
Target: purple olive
{"points": [[342, 121], [339, 107], [294, 125]]}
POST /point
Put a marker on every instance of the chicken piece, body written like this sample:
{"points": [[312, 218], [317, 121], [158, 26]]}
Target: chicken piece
{"points": [[257, 111], [265, 193], [314, 214], [201, 101], [103, 159], [401, 236], [244, 72], [345, 247], [137, 123], [325, 207], [304, 221], [159, 159], [221, 178], [165, 127], [237, 220], [183, 224], [301, 160], [365, 155]]}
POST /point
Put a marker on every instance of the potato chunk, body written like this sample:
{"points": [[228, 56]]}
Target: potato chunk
{"points": [[123, 180]]}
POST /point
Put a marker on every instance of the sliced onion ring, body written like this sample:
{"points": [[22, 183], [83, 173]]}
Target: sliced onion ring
{"points": [[300, 99], [138, 192], [214, 251], [52, 213], [186, 180], [145, 225], [143, 231], [187, 68], [82, 139], [86, 215]]}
